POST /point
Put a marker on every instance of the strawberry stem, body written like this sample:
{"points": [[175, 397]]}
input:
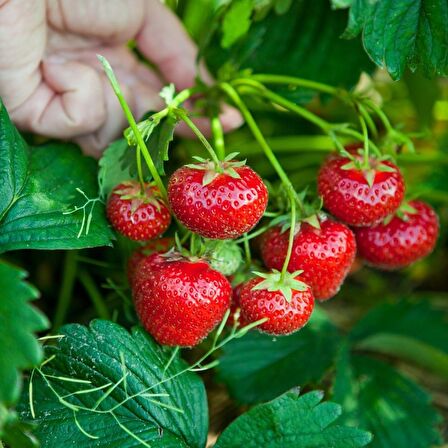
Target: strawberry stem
{"points": [[365, 133], [183, 116], [218, 136], [131, 120], [293, 198]]}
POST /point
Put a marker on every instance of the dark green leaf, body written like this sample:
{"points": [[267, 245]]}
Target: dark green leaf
{"points": [[395, 329], [294, 422], [400, 33], [395, 409], [15, 433], [38, 186], [18, 321], [259, 367], [303, 42], [107, 353]]}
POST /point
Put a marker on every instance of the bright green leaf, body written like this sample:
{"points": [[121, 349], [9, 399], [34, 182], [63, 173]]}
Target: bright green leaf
{"points": [[401, 33], [394, 329], [376, 397], [122, 368], [18, 323], [295, 422], [236, 22], [38, 186], [259, 367]]}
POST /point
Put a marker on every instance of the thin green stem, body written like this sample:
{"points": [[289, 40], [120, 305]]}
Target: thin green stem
{"points": [[299, 82], [365, 134], [218, 136], [381, 115], [66, 291], [131, 120], [290, 240], [94, 294], [293, 198], [183, 115], [247, 250], [138, 156]]}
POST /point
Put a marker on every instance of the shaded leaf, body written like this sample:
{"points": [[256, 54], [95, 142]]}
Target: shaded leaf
{"points": [[376, 397], [295, 422], [259, 367], [18, 323]]}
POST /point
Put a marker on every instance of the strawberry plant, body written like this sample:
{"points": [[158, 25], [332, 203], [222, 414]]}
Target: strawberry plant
{"points": [[280, 285]]}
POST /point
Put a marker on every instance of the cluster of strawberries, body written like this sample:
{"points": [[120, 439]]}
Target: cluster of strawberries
{"points": [[180, 299]]}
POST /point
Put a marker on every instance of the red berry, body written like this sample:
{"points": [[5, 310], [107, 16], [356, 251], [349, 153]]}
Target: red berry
{"points": [[402, 241], [324, 254], [283, 317], [234, 306], [217, 205], [137, 215], [179, 301], [159, 245], [348, 196]]}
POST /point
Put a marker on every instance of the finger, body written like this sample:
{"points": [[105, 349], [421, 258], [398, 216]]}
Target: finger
{"points": [[140, 98], [114, 21], [165, 42], [22, 44], [68, 102]]}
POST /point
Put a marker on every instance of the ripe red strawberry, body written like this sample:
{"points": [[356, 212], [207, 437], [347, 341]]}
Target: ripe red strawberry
{"points": [[159, 245], [137, 215], [401, 241], [234, 306], [179, 301], [347, 195], [217, 205], [267, 297], [325, 255]]}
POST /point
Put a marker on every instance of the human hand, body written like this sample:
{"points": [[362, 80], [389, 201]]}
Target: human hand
{"points": [[52, 83]]}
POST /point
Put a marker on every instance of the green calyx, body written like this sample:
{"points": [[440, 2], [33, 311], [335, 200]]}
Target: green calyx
{"points": [[213, 169], [369, 168], [132, 191], [402, 213], [286, 283]]}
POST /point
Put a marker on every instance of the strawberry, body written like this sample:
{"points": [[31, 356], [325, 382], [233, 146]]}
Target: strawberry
{"points": [[159, 245], [287, 304], [218, 205], [223, 256], [137, 215], [357, 195], [179, 301], [409, 235], [325, 254]]}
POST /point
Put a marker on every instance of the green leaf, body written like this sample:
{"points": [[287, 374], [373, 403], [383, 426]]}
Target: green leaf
{"points": [[294, 422], [15, 433], [401, 33], [18, 321], [259, 367], [395, 409], [38, 186], [124, 366], [303, 42], [236, 22], [393, 329]]}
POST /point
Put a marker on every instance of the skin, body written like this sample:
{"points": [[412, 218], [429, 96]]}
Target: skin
{"points": [[52, 83]]}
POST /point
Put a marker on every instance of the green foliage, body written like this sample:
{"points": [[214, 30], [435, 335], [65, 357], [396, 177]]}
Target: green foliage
{"points": [[376, 397], [236, 22], [15, 433], [295, 422], [407, 329], [136, 401], [18, 323], [259, 367], [39, 187], [402, 33], [303, 42]]}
